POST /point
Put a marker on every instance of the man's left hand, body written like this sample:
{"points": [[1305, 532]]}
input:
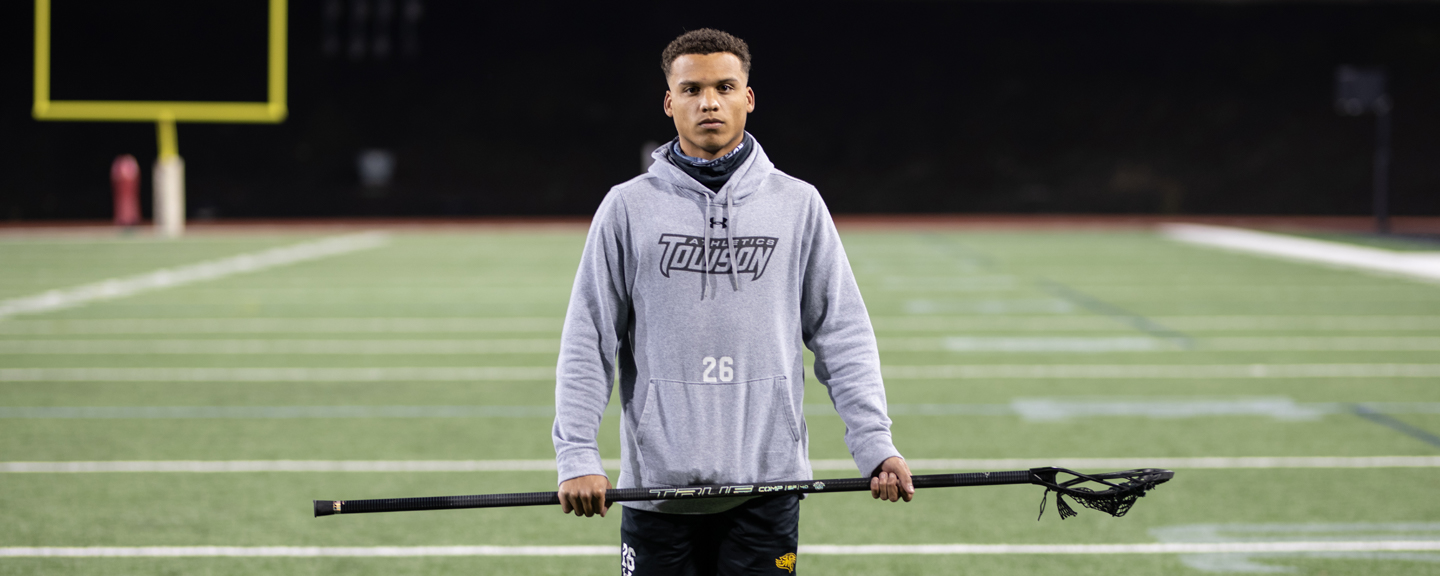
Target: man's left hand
{"points": [[891, 481]]}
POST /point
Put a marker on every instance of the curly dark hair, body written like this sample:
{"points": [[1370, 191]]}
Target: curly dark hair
{"points": [[705, 41]]}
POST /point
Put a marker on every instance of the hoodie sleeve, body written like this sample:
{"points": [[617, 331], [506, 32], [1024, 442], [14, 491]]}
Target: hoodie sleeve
{"points": [[595, 322], [836, 327]]}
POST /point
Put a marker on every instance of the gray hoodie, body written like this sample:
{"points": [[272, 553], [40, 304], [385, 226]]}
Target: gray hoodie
{"points": [[711, 369]]}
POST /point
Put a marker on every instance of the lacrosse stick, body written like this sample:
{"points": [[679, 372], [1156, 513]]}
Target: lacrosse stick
{"points": [[1113, 492]]}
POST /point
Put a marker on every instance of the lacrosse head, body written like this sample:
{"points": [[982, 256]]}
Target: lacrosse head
{"points": [[1111, 492]]}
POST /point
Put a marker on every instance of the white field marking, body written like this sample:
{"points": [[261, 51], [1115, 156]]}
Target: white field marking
{"points": [[997, 323], [948, 283], [300, 551], [1053, 409], [272, 412], [1027, 344], [1323, 344], [504, 373], [397, 374], [1422, 265], [1188, 324], [1093, 345], [286, 346], [235, 466], [1160, 548], [1108, 371], [1248, 560], [229, 466], [815, 549], [1330, 323], [280, 326], [179, 276], [1032, 409], [1011, 306], [46, 327]]}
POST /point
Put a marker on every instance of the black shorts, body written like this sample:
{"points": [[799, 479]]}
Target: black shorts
{"points": [[757, 537]]}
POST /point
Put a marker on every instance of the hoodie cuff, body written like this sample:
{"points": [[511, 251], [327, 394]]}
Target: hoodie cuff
{"points": [[873, 455], [577, 463]]}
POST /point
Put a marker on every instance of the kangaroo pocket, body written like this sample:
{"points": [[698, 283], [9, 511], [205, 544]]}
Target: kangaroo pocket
{"points": [[705, 433]]}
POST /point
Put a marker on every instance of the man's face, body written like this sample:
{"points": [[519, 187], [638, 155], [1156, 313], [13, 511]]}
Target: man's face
{"points": [[708, 98]]}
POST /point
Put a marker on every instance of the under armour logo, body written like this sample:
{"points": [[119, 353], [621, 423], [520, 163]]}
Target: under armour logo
{"points": [[723, 222]]}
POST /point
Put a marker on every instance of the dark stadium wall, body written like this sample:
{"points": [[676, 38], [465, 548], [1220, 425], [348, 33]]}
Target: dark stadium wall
{"points": [[518, 108]]}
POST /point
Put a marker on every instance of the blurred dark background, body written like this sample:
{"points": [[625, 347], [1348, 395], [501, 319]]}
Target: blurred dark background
{"points": [[520, 108]]}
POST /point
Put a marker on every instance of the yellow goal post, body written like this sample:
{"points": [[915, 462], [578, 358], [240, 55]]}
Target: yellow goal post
{"points": [[165, 113]]}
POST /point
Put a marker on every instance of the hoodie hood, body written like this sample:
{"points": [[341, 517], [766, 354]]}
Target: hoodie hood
{"points": [[745, 181]]}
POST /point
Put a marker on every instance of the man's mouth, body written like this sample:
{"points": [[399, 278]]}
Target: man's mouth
{"points": [[712, 123]]}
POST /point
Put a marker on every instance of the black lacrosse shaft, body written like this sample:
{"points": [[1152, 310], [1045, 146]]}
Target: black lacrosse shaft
{"points": [[328, 507]]}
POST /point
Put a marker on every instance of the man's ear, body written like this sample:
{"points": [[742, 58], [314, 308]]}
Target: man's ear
{"points": [[671, 113], [749, 99]]}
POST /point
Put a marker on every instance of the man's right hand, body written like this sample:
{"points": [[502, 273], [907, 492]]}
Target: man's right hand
{"points": [[585, 495]]}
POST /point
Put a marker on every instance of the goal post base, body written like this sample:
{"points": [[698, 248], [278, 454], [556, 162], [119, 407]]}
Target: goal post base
{"points": [[169, 209]]}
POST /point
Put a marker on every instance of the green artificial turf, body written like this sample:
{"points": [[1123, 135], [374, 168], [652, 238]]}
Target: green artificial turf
{"points": [[920, 289]]}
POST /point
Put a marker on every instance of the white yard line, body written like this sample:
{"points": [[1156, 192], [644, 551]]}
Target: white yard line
{"points": [[275, 412], [1421, 265], [1101, 344], [514, 373], [1016, 344], [1158, 371], [236, 466], [282, 346], [883, 324], [1357, 323], [805, 549], [301, 551], [1188, 324], [398, 374], [1081, 344], [1161, 548], [278, 326], [224, 466], [1033, 409], [179, 276]]}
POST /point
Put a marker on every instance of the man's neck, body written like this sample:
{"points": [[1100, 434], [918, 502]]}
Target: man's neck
{"points": [[694, 151]]}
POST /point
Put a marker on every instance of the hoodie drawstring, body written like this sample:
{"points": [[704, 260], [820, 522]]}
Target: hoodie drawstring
{"points": [[730, 238], [705, 253], [726, 222]]}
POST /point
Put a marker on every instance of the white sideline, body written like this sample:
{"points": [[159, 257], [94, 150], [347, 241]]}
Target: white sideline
{"points": [[816, 549], [1109, 371], [223, 466], [883, 324], [289, 346], [1422, 265], [932, 372], [171, 277], [382, 325], [396, 374], [467, 346]]}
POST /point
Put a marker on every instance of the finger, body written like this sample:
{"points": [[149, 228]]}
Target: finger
{"points": [[604, 506], [564, 503], [907, 481], [597, 501], [892, 487], [875, 487], [588, 502]]}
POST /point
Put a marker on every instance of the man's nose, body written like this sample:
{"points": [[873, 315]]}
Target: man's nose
{"points": [[709, 101]]}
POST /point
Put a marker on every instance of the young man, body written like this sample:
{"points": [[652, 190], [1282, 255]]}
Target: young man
{"points": [[712, 375]]}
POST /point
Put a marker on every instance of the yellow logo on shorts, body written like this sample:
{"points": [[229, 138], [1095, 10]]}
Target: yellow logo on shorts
{"points": [[787, 562]]}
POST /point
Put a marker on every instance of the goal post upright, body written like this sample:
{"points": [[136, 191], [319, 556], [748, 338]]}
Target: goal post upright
{"points": [[169, 174]]}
